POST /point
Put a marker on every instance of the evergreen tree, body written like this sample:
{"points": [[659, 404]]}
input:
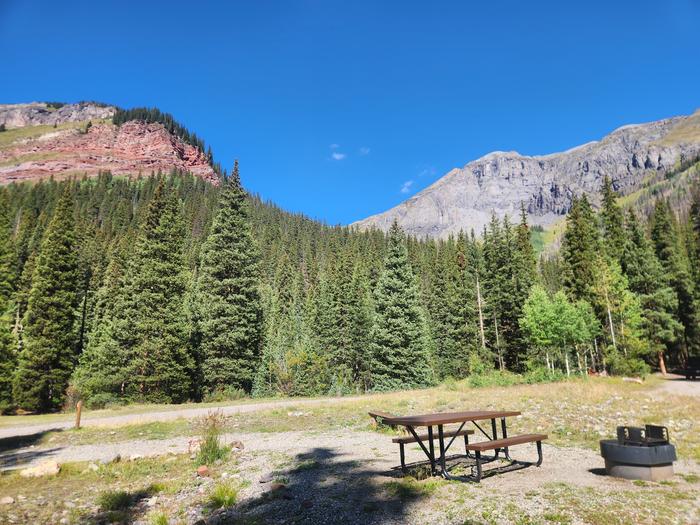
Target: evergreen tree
{"points": [[612, 222], [50, 339], [145, 354], [648, 280], [7, 266], [674, 262], [230, 322], [399, 349], [580, 247]]}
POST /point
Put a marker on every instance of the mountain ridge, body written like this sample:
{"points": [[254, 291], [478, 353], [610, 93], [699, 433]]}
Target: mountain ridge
{"points": [[500, 181], [62, 140]]}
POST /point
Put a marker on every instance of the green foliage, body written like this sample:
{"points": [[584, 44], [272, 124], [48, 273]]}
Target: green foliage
{"points": [[580, 249], [228, 305], [399, 348], [114, 500], [211, 449], [50, 339], [674, 261], [224, 495], [229, 393]]}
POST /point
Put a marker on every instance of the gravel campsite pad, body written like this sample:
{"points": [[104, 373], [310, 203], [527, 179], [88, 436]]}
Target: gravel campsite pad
{"points": [[301, 469]]}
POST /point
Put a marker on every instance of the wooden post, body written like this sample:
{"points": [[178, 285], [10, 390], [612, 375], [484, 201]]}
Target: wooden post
{"points": [[78, 412]]}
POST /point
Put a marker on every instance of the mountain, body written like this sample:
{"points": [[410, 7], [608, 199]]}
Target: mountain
{"points": [[52, 139], [640, 159]]}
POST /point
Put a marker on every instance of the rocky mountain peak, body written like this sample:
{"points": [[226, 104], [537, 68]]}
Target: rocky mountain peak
{"points": [[499, 182]]}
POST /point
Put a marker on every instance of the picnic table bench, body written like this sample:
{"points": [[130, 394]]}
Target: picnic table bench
{"points": [[439, 420]]}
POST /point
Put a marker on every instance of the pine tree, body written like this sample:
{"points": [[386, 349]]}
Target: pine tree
{"points": [[580, 247], [398, 343], [50, 339], [612, 222], [144, 350], [674, 262], [228, 294], [7, 344], [648, 280]]}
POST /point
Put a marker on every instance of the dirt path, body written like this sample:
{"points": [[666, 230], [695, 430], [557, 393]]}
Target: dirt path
{"points": [[677, 385], [163, 415]]}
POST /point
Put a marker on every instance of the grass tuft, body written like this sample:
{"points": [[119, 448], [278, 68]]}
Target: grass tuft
{"points": [[224, 495], [114, 500]]}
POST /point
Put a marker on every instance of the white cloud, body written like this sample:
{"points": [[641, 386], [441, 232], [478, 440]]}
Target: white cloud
{"points": [[364, 150], [406, 186], [429, 171], [334, 146], [338, 156]]}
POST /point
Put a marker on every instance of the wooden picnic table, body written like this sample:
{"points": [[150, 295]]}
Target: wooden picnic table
{"points": [[439, 420]]}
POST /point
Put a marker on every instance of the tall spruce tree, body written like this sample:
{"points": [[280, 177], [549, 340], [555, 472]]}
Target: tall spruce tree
{"points": [[580, 247], [228, 294], [612, 222], [668, 249], [400, 357], [648, 280], [7, 267], [50, 337], [144, 351]]}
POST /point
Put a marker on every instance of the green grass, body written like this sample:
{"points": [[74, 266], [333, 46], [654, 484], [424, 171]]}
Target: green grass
{"points": [[7, 138], [224, 495], [31, 157], [114, 500]]}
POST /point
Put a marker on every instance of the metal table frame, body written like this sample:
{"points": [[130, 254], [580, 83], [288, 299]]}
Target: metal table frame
{"points": [[431, 421]]}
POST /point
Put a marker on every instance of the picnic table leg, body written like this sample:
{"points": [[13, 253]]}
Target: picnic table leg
{"points": [[505, 435], [403, 458], [432, 451], [441, 438], [494, 432]]}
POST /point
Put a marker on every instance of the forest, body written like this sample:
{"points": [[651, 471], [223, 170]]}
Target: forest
{"points": [[166, 289]]}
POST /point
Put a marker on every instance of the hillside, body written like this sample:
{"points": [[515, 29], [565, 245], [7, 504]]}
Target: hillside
{"points": [[43, 140], [635, 157]]}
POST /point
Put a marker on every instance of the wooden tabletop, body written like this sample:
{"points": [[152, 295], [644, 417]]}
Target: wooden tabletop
{"points": [[445, 418]]}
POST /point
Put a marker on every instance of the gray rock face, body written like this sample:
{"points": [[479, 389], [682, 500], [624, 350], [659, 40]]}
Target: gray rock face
{"points": [[40, 113], [499, 182]]}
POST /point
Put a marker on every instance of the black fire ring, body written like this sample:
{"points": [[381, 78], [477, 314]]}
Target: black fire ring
{"points": [[662, 454]]}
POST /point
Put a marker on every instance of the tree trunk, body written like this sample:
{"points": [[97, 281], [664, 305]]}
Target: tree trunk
{"points": [[501, 364], [546, 357], [566, 361], [662, 363], [481, 315], [612, 328]]}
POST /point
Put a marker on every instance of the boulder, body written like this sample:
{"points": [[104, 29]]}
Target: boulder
{"points": [[46, 468], [7, 500], [203, 471]]}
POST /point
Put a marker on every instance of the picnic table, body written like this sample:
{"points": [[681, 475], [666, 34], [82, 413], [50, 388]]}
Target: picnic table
{"points": [[436, 422]]}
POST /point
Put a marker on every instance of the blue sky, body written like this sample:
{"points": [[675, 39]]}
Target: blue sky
{"points": [[344, 109]]}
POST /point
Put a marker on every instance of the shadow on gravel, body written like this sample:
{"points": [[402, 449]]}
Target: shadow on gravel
{"points": [[9, 458], [15, 442], [325, 488]]}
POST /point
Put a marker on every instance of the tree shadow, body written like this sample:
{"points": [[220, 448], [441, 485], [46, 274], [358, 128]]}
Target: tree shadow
{"points": [[124, 507], [25, 440], [12, 457], [325, 488]]}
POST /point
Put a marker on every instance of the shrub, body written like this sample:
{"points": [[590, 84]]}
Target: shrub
{"points": [[102, 400], [159, 518], [542, 374], [224, 495], [114, 500], [494, 378], [210, 429], [229, 393]]}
